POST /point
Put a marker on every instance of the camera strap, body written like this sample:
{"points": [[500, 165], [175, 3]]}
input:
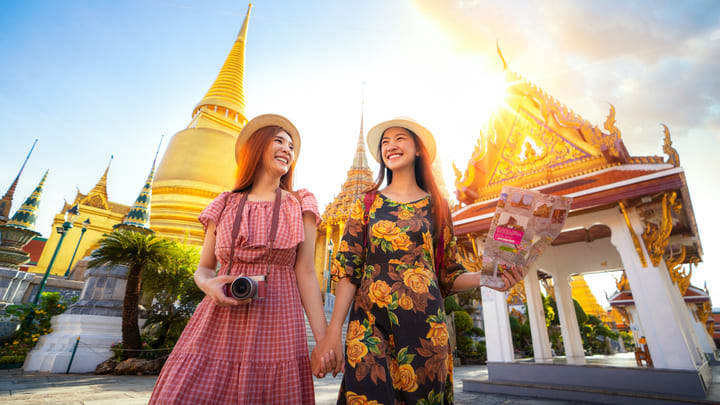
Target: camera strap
{"points": [[238, 220]]}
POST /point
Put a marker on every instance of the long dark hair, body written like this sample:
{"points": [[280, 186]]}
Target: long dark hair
{"points": [[250, 155], [424, 178]]}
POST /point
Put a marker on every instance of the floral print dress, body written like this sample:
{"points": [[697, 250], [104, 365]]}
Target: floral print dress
{"points": [[397, 349]]}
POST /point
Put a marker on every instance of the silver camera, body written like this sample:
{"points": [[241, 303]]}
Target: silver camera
{"points": [[246, 287]]}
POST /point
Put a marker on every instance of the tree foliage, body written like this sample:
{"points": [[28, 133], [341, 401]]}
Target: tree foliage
{"points": [[172, 295], [140, 252]]}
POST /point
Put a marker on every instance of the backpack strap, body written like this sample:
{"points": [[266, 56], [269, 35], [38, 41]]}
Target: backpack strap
{"points": [[369, 199], [439, 249]]}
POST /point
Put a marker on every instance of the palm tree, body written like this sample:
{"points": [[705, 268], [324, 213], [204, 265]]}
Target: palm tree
{"points": [[139, 252]]}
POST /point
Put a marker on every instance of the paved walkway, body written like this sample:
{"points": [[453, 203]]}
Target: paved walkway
{"points": [[17, 387]]}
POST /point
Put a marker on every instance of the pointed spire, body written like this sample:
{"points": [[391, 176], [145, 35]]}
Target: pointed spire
{"points": [[360, 160], [26, 215], [227, 90], [101, 186], [98, 197], [139, 214], [6, 201]]}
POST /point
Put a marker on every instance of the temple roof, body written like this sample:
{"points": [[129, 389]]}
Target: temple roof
{"points": [[692, 295], [533, 139], [97, 197], [535, 142], [359, 178]]}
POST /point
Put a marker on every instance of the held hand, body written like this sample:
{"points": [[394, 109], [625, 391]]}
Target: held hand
{"points": [[506, 281], [511, 277], [328, 355], [213, 288]]}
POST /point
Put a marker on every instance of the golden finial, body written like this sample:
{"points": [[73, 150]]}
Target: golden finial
{"points": [[497, 44], [673, 157], [610, 122]]}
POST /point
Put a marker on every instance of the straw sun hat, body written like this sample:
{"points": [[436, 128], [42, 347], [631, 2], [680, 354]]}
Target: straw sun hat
{"points": [[375, 133], [267, 120]]}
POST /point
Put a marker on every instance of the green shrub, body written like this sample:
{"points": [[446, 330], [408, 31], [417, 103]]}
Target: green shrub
{"points": [[477, 331], [34, 323], [451, 305], [464, 344], [463, 322]]}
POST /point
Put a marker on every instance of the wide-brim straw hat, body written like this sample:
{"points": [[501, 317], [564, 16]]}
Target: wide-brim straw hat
{"points": [[267, 120], [376, 132]]}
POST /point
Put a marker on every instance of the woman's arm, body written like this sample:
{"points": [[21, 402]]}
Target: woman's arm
{"points": [[332, 347], [467, 281], [307, 281], [205, 277]]}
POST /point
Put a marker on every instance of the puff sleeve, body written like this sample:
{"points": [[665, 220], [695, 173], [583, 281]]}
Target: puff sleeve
{"points": [[350, 258], [308, 203], [213, 211]]}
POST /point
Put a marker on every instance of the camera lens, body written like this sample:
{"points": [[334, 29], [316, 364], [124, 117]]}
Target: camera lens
{"points": [[242, 288]]}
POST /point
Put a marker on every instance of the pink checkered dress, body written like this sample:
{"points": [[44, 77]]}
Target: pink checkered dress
{"points": [[255, 353]]}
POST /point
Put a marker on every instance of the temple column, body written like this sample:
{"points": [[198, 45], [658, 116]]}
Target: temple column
{"points": [[671, 344], [572, 341], [498, 337], [536, 315]]}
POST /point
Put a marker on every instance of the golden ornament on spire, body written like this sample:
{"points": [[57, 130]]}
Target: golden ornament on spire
{"points": [[226, 93], [98, 196]]}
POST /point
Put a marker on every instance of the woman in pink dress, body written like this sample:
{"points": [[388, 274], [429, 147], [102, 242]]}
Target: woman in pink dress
{"points": [[253, 351]]}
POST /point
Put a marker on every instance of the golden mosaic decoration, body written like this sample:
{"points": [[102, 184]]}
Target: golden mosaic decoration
{"points": [[635, 239], [656, 236]]}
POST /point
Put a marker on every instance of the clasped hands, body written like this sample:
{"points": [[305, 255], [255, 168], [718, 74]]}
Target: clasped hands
{"points": [[328, 355]]}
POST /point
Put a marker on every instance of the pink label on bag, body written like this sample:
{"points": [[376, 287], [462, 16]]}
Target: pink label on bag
{"points": [[504, 234]]}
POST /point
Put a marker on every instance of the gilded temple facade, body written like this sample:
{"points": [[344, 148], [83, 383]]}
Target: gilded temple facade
{"points": [[359, 178], [199, 162], [630, 213], [103, 215]]}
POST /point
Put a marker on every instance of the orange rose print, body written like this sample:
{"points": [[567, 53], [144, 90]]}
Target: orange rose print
{"points": [[406, 303], [355, 331], [438, 333], [356, 350], [357, 399], [405, 214], [358, 210], [379, 293], [417, 279], [401, 242], [405, 378]]}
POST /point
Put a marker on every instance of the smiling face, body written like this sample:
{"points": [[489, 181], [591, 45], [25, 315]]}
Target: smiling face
{"points": [[398, 148], [279, 155]]}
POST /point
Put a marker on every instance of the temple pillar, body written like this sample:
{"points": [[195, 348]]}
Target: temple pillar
{"points": [[570, 329], [498, 337], [536, 315], [707, 345], [671, 344]]}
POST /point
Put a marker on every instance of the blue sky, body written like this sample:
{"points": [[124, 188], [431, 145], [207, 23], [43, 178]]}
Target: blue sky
{"points": [[95, 78]]}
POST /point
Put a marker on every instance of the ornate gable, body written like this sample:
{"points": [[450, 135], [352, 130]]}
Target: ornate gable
{"points": [[533, 139]]}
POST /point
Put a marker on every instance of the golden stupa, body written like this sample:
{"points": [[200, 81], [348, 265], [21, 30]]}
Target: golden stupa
{"points": [[199, 162], [582, 294]]}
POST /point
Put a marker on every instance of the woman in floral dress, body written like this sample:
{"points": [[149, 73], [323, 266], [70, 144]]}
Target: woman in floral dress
{"points": [[253, 351], [397, 349]]}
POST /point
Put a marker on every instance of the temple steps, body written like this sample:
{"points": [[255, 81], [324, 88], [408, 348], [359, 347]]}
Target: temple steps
{"points": [[575, 393]]}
